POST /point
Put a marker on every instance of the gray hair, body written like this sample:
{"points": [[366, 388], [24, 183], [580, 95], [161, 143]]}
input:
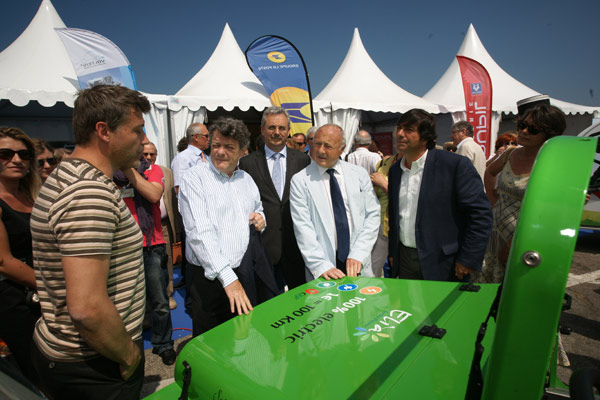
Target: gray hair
{"points": [[193, 129], [362, 138], [311, 131], [233, 128], [463, 126], [273, 110]]}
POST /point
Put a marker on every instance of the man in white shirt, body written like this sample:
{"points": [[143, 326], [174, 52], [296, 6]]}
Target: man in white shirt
{"points": [[218, 202], [361, 155], [197, 136], [334, 210], [462, 137], [440, 218]]}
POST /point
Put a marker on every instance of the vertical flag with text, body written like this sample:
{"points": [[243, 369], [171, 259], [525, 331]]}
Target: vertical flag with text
{"points": [[280, 68], [96, 59], [477, 87]]}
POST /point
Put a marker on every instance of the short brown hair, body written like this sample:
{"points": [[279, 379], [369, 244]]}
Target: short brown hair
{"points": [[107, 103]]}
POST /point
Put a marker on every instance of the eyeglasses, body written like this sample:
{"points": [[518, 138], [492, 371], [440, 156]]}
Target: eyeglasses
{"points": [[8, 154], [51, 161], [509, 144], [149, 154], [531, 129], [202, 136]]}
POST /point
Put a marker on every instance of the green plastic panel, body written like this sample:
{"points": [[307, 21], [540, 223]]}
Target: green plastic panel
{"points": [[533, 295], [352, 338]]}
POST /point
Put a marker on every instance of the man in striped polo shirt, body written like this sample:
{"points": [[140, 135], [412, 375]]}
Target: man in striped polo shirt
{"points": [[87, 251]]}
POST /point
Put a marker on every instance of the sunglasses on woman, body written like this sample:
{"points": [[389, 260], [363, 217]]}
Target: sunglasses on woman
{"points": [[51, 161], [8, 154], [531, 129], [509, 144]]}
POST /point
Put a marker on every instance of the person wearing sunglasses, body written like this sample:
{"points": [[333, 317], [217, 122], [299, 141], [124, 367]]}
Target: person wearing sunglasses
{"points": [[46, 160], [535, 125], [19, 184]]}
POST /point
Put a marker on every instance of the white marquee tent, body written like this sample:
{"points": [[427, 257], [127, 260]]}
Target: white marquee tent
{"points": [[37, 68], [359, 85], [448, 91]]}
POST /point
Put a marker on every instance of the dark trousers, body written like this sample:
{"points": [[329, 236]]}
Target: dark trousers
{"points": [[95, 379], [408, 263], [210, 304]]}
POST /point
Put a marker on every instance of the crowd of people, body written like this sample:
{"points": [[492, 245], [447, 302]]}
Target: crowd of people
{"points": [[87, 238]]}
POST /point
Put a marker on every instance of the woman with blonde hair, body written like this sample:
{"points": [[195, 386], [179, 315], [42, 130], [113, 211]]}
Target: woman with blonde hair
{"points": [[19, 185]]}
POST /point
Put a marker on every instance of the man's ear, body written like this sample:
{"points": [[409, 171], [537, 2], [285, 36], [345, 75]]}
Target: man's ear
{"points": [[102, 131]]}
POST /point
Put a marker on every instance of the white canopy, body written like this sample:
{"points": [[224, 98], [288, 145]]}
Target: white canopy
{"points": [[448, 91], [224, 81], [361, 85], [36, 65]]}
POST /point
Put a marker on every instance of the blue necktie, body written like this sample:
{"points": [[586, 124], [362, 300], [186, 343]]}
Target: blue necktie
{"points": [[341, 219], [277, 173]]}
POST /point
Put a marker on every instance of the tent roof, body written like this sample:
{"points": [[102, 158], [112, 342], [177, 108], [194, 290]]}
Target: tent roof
{"points": [[36, 65], [448, 91], [225, 81], [361, 85]]}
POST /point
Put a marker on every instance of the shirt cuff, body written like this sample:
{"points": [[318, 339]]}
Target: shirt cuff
{"points": [[227, 276]]}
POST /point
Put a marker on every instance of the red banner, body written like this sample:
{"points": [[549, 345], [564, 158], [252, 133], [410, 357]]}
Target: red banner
{"points": [[477, 86]]}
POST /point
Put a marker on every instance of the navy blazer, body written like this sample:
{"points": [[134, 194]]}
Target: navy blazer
{"points": [[278, 238], [454, 220]]}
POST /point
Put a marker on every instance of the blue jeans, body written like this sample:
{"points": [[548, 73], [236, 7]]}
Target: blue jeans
{"points": [[157, 278]]}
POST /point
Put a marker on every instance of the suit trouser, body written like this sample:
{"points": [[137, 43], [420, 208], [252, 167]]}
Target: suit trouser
{"points": [[408, 263], [379, 254]]}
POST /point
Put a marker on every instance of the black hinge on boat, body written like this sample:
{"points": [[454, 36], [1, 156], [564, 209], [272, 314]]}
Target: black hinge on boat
{"points": [[469, 287], [432, 331], [187, 379]]}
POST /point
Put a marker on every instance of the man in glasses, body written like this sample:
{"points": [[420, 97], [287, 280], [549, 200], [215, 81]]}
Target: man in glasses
{"points": [[197, 137], [300, 140], [462, 137], [168, 213], [87, 251]]}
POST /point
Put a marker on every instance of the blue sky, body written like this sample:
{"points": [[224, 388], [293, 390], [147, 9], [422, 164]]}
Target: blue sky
{"points": [[550, 46]]}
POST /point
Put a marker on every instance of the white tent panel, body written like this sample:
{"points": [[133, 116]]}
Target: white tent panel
{"points": [[224, 81], [448, 91], [360, 84]]}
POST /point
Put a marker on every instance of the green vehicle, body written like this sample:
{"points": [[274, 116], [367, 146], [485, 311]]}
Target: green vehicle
{"points": [[369, 338]]}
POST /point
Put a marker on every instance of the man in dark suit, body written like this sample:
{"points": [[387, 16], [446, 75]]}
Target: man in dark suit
{"points": [[272, 168], [440, 218]]}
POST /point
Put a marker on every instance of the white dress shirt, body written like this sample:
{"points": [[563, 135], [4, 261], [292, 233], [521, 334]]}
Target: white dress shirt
{"points": [[215, 209], [364, 158], [184, 161], [408, 198]]}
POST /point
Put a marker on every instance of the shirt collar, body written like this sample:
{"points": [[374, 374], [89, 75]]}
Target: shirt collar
{"points": [[337, 167], [269, 153], [463, 141], [221, 174], [416, 165]]}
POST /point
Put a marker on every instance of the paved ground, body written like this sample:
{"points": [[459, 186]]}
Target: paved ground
{"points": [[582, 345]]}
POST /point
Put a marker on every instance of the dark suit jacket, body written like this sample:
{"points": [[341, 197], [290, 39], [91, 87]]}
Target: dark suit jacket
{"points": [[454, 219], [278, 237]]}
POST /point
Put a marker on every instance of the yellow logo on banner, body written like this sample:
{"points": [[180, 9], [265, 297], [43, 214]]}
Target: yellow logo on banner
{"points": [[276, 57], [297, 104]]}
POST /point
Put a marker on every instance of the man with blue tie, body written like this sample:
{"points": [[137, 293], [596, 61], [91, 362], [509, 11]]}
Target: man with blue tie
{"points": [[334, 209], [272, 168]]}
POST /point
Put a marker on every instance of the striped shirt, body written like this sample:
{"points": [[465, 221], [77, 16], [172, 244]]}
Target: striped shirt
{"points": [[79, 212], [215, 209]]}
